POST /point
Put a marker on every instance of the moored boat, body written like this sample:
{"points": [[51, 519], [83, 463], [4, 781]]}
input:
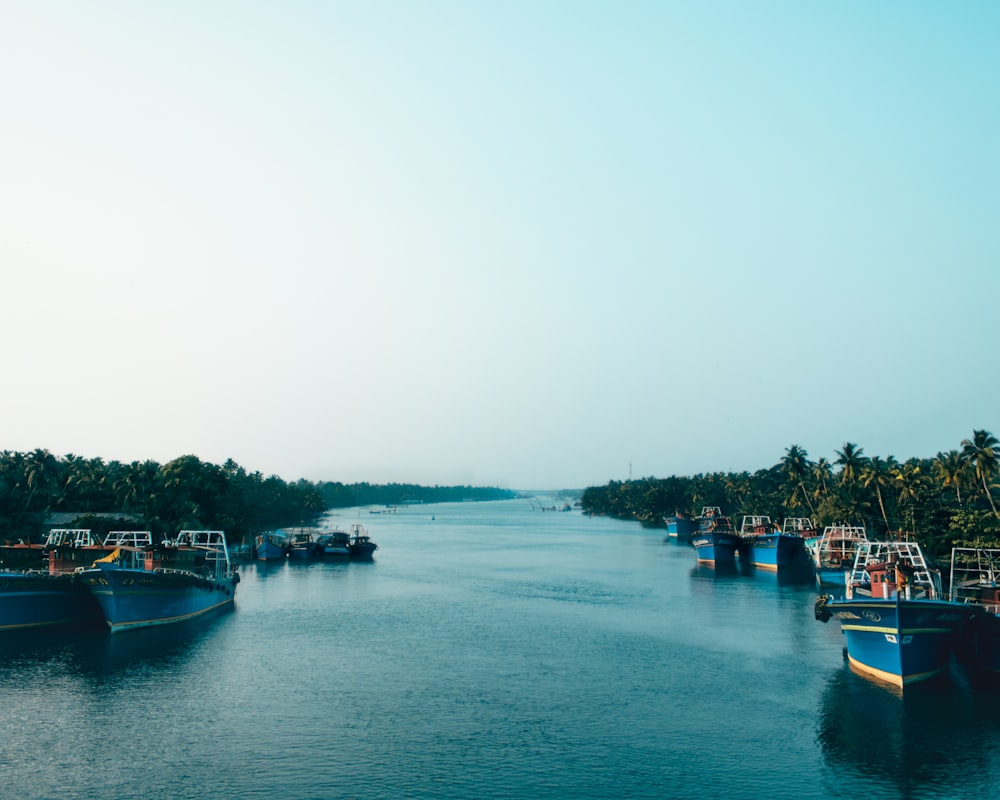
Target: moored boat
{"points": [[52, 595], [271, 546], [771, 548], [302, 544], [897, 626], [833, 555], [361, 547], [139, 586], [975, 581], [680, 526], [716, 540], [334, 544]]}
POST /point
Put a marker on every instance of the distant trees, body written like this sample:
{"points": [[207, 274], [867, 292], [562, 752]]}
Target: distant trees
{"points": [[941, 501]]}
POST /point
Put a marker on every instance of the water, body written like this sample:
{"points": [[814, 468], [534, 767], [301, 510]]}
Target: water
{"points": [[489, 651]]}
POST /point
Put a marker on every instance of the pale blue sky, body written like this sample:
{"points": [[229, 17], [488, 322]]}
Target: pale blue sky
{"points": [[525, 244]]}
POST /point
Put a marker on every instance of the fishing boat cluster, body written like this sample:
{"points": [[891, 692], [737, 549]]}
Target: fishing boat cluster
{"points": [[900, 625], [74, 580]]}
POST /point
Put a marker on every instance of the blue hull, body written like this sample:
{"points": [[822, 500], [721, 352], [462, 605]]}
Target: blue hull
{"points": [[136, 598], [775, 551], [899, 641], [681, 528], [984, 641], [713, 547], [39, 600], [268, 551]]}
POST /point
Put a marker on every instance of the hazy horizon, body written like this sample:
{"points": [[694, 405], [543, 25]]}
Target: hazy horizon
{"points": [[515, 245]]}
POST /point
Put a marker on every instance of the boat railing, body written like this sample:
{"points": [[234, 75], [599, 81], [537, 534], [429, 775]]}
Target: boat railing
{"points": [[974, 577], [213, 543], [70, 537], [756, 524], [138, 539], [869, 554]]}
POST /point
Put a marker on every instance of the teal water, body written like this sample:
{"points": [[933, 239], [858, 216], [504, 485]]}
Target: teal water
{"points": [[489, 651]]}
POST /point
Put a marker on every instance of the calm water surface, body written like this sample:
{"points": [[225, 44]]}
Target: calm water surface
{"points": [[489, 651]]}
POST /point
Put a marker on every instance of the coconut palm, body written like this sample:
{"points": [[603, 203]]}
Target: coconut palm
{"points": [[878, 473], [796, 465], [982, 452], [952, 470], [851, 460]]}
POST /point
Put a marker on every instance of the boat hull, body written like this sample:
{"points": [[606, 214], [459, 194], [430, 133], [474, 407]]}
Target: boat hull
{"points": [[715, 547], [39, 600], [984, 638], [269, 551], [681, 528], [774, 551], [136, 598], [899, 641]]}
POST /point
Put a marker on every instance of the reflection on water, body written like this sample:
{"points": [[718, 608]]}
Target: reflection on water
{"points": [[936, 741]]}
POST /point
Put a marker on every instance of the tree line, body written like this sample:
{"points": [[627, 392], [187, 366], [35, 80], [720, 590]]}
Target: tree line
{"points": [[186, 493], [942, 502]]}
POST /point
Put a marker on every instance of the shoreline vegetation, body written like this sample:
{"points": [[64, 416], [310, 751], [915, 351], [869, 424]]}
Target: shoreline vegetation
{"points": [[186, 493], [941, 502]]}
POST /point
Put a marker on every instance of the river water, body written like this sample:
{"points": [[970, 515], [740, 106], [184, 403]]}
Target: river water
{"points": [[490, 650]]}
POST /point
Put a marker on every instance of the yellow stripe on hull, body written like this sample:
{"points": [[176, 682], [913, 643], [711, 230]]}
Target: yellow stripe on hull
{"points": [[890, 678]]}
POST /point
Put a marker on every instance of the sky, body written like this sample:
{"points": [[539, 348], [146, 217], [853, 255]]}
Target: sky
{"points": [[519, 244]]}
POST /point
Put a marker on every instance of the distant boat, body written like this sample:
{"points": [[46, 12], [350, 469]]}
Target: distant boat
{"points": [[680, 526], [302, 544], [334, 544], [139, 586], [271, 546], [897, 626], [361, 547], [716, 540]]}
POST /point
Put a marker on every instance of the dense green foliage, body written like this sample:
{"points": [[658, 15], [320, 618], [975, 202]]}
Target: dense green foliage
{"points": [[942, 501], [339, 495], [185, 493]]}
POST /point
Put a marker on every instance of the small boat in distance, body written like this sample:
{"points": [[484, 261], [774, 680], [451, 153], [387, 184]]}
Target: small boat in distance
{"points": [[334, 544], [361, 547], [271, 546], [302, 544], [139, 585], [716, 540], [680, 526], [898, 628]]}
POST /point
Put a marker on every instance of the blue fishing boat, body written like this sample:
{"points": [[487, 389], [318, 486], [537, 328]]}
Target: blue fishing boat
{"points": [[716, 540], [680, 526], [975, 582], [898, 627], [334, 545], [361, 547], [139, 586], [52, 595], [271, 546], [302, 544], [833, 554], [771, 548]]}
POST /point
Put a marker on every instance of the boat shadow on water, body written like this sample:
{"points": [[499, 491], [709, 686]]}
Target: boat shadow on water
{"points": [[100, 651], [938, 734]]}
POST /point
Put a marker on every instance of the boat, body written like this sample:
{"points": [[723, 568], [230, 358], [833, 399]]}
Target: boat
{"points": [[770, 547], [139, 585], [302, 544], [334, 544], [975, 582], [833, 554], [361, 547], [898, 627], [271, 546], [52, 594], [716, 540], [680, 526]]}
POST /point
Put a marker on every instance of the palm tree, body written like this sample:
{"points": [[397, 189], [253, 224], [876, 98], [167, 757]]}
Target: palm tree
{"points": [[878, 472], [41, 472], [952, 470], [909, 479], [796, 466], [851, 460], [982, 452]]}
